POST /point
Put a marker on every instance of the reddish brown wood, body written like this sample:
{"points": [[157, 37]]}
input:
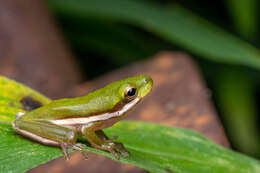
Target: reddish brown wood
{"points": [[32, 50], [95, 164]]}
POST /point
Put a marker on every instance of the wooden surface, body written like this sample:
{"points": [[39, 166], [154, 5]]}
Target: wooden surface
{"points": [[32, 50]]}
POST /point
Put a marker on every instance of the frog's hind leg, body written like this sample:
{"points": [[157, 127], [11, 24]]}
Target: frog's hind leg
{"points": [[48, 133]]}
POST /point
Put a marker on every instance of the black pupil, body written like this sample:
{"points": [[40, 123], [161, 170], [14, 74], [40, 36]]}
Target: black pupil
{"points": [[131, 92]]}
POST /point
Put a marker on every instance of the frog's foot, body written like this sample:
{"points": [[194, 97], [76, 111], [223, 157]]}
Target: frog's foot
{"points": [[78, 146], [114, 148], [120, 148]]}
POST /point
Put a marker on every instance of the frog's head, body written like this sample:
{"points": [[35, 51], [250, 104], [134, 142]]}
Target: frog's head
{"points": [[128, 92], [122, 96], [135, 87]]}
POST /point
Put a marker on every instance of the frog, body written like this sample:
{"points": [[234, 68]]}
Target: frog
{"points": [[61, 122]]}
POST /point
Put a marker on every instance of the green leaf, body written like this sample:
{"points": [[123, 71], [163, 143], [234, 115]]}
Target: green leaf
{"points": [[245, 16], [119, 43], [11, 95], [177, 25], [235, 93], [153, 147]]}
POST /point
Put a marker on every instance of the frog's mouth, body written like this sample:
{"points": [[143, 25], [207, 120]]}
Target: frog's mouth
{"points": [[98, 117]]}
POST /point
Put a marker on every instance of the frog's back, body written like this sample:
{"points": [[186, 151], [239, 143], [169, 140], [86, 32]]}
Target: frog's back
{"points": [[92, 104]]}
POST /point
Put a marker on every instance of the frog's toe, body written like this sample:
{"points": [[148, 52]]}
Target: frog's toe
{"points": [[125, 153], [64, 148], [116, 148], [80, 146], [84, 154], [76, 147], [115, 154], [119, 147]]}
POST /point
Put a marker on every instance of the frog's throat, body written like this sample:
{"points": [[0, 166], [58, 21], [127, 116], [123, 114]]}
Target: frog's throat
{"points": [[99, 117]]}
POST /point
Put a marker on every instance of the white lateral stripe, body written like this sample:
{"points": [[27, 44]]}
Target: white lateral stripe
{"points": [[105, 116]]}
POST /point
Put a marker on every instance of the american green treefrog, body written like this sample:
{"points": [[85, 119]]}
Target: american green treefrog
{"points": [[60, 122]]}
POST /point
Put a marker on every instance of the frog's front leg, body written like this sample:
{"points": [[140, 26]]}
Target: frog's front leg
{"points": [[48, 133], [99, 140], [119, 146]]}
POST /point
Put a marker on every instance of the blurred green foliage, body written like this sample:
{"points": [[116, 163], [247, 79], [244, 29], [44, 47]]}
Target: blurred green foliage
{"points": [[245, 17], [222, 36]]}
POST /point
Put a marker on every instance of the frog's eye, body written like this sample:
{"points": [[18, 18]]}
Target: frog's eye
{"points": [[130, 92]]}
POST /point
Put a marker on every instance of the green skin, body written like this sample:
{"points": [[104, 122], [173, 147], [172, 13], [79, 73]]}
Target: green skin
{"points": [[62, 121]]}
